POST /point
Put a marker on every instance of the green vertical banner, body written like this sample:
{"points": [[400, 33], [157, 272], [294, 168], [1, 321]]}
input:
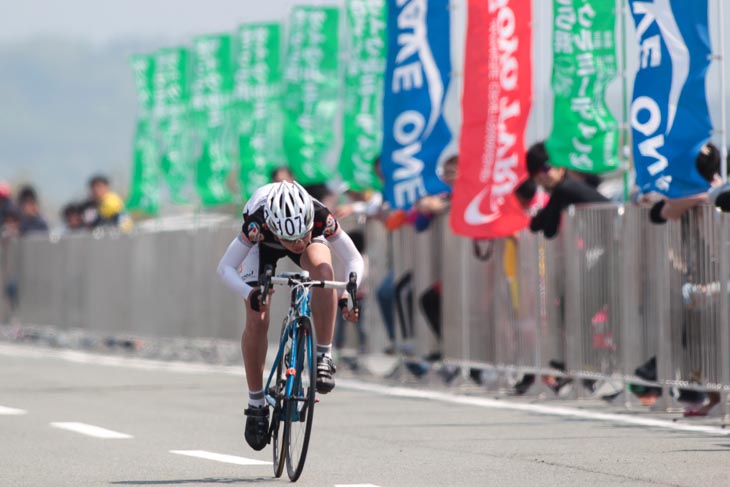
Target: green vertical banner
{"points": [[144, 189], [144, 192], [311, 84], [214, 164], [363, 110], [585, 133], [143, 68], [210, 100], [171, 93], [257, 104]]}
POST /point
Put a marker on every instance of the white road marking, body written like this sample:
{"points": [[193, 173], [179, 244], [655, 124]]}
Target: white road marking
{"points": [[90, 430], [529, 408], [127, 362], [96, 359], [219, 457], [6, 411]]}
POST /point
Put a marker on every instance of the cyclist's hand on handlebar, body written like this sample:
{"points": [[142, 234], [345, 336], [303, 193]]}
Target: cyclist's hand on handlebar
{"points": [[255, 299], [348, 314]]}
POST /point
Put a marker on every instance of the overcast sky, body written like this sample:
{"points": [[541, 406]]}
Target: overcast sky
{"points": [[105, 20]]}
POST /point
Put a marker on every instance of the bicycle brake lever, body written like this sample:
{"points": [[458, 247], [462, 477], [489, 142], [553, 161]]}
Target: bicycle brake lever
{"points": [[265, 282], [352, 289]]}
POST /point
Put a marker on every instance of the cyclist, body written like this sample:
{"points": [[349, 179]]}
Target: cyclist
{"points": [[282, 219]]}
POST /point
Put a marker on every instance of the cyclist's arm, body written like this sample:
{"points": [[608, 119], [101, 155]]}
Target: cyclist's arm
{"points": [[346, 251], [231, 261]]}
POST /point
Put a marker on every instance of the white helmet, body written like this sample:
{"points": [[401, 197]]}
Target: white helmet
{"points": [[289, 211]]}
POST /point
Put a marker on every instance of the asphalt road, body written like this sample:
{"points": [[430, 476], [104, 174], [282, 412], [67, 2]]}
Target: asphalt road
{"points": [[364, 435]]}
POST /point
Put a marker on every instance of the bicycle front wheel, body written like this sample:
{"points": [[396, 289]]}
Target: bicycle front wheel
{"points": [[300, 406], [279, 411]]}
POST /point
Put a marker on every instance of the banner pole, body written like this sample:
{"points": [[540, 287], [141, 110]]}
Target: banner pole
{"points": [[723, 91], [539, 66], [625, 129]]}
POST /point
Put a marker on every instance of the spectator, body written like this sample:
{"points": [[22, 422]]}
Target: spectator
{"points": [[362, 204], [30, 217], [358, 238], [6, 203], [425, 211], [281, 173], [322, 193], [318, 191], [73, 217], [564, 191], [373, 206], [592, 180], [719, 195], [430, 206], [395, 296], [708, 165], [9, 234], [105, 207]]}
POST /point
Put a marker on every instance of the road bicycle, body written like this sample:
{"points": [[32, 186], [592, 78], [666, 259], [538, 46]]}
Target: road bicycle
{"points": [[290, 388]]}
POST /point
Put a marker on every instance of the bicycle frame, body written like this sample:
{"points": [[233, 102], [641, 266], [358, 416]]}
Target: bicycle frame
{"points": [[294, 402], [298, 307]]}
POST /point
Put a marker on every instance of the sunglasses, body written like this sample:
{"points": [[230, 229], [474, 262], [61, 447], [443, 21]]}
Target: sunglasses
{"points": [[293, 241]]}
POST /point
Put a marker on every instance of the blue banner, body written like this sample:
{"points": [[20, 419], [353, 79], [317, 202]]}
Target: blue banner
{"points": [[670, 120], [416, 80]]}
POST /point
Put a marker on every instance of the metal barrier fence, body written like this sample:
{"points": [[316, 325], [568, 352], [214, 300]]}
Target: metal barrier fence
{"points": [[603, 298]]}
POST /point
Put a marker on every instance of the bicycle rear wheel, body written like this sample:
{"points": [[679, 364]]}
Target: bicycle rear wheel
{"points": [[279, 411], [300, 407]]}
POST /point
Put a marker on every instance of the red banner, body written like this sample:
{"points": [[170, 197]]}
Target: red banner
{"points": [[495, 107]]}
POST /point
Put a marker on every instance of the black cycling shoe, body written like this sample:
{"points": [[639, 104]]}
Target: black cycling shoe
{"points": [[257, 427], [325, 371]]}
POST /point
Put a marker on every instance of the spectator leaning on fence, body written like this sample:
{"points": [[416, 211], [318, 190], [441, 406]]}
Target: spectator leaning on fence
{"points": [[73, 217], [564, 191], [282, 173], [719, 195], [9, 233], [31, 220], [6, 203], [107, 207], [708, 165], [358, 239], [375, 207], [430, 300]]}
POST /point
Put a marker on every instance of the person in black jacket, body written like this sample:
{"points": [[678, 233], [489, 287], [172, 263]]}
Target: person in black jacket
{"points": [[708, 165], [564, 191], [31, 220]]}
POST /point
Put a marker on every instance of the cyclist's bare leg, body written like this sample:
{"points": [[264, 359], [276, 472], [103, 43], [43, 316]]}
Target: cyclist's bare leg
{"points": [[317, 259], [254, 344]]}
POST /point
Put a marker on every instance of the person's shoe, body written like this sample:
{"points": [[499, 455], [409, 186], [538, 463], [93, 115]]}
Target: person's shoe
{"points": [[647, 370], [433, 357], [418, 368], [476, 375], [257, 427], [524, 384], [448, 373], [325, 374]]}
